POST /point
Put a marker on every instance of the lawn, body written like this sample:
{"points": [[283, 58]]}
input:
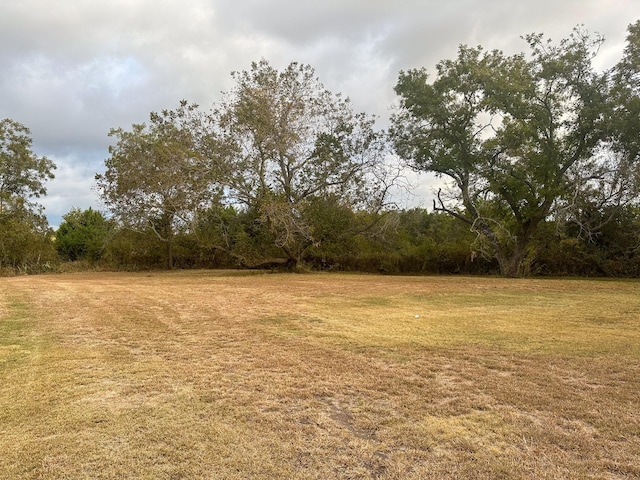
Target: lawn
{"points": [[231, 375]]}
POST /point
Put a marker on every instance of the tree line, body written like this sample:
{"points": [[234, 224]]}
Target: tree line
{"points": [[537, 152]]}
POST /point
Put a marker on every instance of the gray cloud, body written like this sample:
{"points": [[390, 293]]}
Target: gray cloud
{"points": [[73, 69]]}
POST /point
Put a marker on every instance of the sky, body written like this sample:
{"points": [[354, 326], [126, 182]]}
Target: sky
{"points": [[73, 69]]}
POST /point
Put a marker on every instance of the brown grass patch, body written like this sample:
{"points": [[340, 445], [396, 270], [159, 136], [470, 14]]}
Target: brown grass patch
{"points": [[220, 375]]}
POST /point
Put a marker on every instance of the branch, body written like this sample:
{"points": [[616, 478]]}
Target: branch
{"points": [[453, 213]]}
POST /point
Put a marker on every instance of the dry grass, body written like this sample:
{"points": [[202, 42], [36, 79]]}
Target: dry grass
{"points": [[219, 375]]}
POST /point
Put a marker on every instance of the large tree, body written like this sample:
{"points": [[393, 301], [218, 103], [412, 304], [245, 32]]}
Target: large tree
{"points": [[512, 133], [159, 175], [291, 144]]}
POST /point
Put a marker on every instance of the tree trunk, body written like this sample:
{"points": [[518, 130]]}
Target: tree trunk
{"points": [[293, 260], [512, 264]]}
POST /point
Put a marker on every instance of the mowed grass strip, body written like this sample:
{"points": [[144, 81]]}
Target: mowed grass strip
{"points": [[224, 375]]}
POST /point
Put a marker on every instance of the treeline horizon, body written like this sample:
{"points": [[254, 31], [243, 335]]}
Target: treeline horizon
{"points": [[400, 242], [538, 154]]}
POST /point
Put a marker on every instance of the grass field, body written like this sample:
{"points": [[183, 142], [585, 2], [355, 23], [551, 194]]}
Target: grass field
{"points": [[224, 375]]}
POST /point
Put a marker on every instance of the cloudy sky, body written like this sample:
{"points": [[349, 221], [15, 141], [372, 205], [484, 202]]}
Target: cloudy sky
{"points": [[73, 69]]}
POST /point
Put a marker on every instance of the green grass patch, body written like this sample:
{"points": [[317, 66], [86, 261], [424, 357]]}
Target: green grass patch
{"points": [[13, 320], [548, 317], [16, 337]]}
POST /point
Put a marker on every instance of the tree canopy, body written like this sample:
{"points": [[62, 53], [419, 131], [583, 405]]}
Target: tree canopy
{"points": [[517, 135], [158, 175], [290, 145], [82, 235], [22, 173]]}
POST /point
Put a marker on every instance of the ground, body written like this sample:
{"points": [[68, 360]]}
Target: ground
{"points": [[230, 375]]}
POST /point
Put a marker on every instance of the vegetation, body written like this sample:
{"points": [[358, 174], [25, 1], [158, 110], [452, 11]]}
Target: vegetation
{"points": [[24, 232], [159, 175], [83, 235], [521, 137], [240, 375], [540, 151], [294, 150]]}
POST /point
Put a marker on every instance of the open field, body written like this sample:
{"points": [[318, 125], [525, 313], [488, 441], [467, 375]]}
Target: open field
{"points": [[223, 375]]}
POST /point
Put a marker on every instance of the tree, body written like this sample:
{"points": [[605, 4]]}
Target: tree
{"points": [[626, 95], [25, 237], [82, 235], [22, 173], [159, 175], [513, 134], [290, 144]]}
